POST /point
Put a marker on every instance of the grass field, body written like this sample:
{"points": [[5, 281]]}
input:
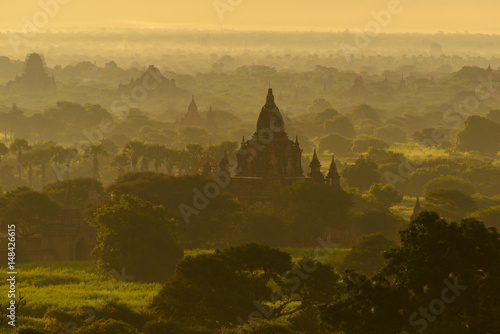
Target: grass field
{"points": [[68, 286]]}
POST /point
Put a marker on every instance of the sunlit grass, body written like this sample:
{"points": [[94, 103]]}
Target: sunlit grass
{"points": [[68, 286]]}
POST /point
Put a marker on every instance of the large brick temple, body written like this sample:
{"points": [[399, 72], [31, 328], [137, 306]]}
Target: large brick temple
{"points": [[270, 160]]}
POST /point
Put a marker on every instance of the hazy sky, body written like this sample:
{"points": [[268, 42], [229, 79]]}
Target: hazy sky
{"points": [[415, 15]]}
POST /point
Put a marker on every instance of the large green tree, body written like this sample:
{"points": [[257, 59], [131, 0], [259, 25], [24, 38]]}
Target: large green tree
{"points": [[313, 207], [362, 174], [29, 210], [216, 289], [441, 278], [137, 236]]}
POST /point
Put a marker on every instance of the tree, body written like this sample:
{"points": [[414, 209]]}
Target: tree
{"points": [[205, 227], [479, 134], [321, 117], [466, 253], [78, 188], [335, 143], [449, 182], [3, 150], [95, 151], [363, 144], [29, 210], [362, 174], [134, 149], [442, 278], [42, 158], [318, 105], [391, 133], [383, 197], [19, 146], [193, 135], [121, 161], [28, 160], [386, 222], [157, 154], [450, 203], [365, 112], [365, 255], [490, 216], [265, 226], [339, 124], [494, 115], [137, 236], [216, 289], [320, 207]]}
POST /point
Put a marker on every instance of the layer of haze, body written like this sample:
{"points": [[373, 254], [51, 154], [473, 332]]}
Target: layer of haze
{"points": [[425, 16]]}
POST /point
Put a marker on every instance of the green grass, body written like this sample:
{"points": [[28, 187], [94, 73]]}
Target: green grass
{"points": [[68, 286]]}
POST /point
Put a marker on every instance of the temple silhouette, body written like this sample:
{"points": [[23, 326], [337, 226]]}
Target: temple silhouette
{"points": [[155, 82], [192, 116], [270, 160], [34, 77]]}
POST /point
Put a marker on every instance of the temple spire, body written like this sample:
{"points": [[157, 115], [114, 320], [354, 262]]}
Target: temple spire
{"points": [[333, 177], [270, 99], [315, 166]]}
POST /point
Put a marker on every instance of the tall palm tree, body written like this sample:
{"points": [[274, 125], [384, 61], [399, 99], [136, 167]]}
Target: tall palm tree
{"points": [[61, 157], [121, 161], [157, 153], [27, 160], [96, 150], [170, 157], [19, 146], [42, 158], [134, 149]]}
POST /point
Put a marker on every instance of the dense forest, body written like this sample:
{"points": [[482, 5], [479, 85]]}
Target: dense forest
{"points": [[408, 243]]}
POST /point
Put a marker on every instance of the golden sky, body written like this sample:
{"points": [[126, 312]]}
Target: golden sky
{"points": [[412, 15]]}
